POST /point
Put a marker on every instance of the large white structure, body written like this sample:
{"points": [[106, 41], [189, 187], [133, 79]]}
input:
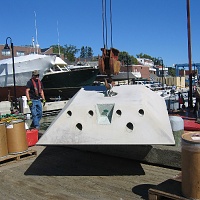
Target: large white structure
{"points": [[146, 62], [24, 65], [134, 115]]}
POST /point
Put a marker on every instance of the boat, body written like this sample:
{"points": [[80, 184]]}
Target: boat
{"points": [[54, 74], [69, 76], [64, 81], [23, 65]]}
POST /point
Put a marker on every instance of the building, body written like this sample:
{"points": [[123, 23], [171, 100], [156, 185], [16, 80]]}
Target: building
{"points": [[18, 51], [24, 50], [145, 62], [146, 71]]}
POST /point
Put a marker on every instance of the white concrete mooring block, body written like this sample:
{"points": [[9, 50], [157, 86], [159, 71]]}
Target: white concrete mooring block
{"points": [[136, 115]]}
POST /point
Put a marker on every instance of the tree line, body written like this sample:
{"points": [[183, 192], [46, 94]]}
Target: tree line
{"points": [[70, 52]]}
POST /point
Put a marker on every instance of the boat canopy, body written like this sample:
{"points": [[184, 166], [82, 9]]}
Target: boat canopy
{"points": [[59, 61]]}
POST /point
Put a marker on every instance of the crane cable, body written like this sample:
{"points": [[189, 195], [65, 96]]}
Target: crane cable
{"points": [[104, 21], [111, 23]]}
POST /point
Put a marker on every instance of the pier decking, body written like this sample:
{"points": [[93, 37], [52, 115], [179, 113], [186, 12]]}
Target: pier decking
{"points": [[67, 173], [88, 172]]}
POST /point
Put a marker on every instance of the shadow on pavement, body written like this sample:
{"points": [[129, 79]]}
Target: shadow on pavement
{"points": [[142, 190], [65, 161]]}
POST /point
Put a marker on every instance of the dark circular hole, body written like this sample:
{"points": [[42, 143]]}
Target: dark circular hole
{"points": [[91, 113], [129, 126], [119, 112], [141, 112], [69, 113], [79, 126]]}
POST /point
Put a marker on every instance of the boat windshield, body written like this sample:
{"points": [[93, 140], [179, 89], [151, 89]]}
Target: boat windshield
{"points": [[57, 68]]}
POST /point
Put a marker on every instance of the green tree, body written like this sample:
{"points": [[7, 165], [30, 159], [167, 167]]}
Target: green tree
{"points": [[86, 52], [141, 55], [125, 57], [70, 51], [134, 60], [172, 71], [82, 52], [56, 49], [90, 52]]}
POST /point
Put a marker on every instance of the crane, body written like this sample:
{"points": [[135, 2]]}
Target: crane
{"points": [[108, 62]]}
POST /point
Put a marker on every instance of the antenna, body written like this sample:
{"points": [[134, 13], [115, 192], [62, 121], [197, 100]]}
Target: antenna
{"points": [[58, 40], [37, 45]]}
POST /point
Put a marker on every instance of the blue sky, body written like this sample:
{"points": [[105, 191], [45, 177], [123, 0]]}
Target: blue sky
{"points": [[154, 27]]}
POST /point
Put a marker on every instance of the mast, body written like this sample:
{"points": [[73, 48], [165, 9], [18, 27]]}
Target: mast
{"points": [[33, 44], [36, 37], [58, 40]]}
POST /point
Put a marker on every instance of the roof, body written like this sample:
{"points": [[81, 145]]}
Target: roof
{"points": [[45, 49], [123, 76]]}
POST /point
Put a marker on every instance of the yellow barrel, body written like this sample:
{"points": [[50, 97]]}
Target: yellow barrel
{"points": [[3, 140], [190, 159], [16, 137]]}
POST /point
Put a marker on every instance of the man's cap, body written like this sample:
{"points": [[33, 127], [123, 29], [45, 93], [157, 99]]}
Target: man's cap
{"points": [[35, 73]]}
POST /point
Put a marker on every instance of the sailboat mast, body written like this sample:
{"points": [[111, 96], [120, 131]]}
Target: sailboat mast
{"points": [[36, 37], [33, 44], [58, 40]]}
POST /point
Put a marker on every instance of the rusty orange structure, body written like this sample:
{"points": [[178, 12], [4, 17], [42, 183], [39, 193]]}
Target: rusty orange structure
{"points": [[108, 62]]}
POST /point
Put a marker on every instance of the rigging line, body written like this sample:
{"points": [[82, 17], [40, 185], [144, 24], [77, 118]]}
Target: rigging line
{"points": [[106, 25], [111, 22], [103, 22]]}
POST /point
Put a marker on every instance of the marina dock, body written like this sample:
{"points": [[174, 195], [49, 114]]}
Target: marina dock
{"points": [[49, 107], [62, 172], [89, 171]]}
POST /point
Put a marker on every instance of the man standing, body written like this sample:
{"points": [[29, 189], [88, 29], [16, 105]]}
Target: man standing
{"points": [[35, 94]]}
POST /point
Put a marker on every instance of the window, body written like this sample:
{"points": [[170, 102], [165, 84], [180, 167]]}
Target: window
{"points": [[20, 53], [5, 52]]}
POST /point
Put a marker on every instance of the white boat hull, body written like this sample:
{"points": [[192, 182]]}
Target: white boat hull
{"points": [[24, 65]]}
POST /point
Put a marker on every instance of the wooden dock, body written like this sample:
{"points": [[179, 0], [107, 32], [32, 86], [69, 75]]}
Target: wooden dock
{"points": [[62, 172], [169, 189], [17, 157]]}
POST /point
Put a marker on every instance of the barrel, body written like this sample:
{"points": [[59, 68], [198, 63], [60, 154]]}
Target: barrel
{"points": [[3, 140], [16, 137], [190, 159], [177, 125]]}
